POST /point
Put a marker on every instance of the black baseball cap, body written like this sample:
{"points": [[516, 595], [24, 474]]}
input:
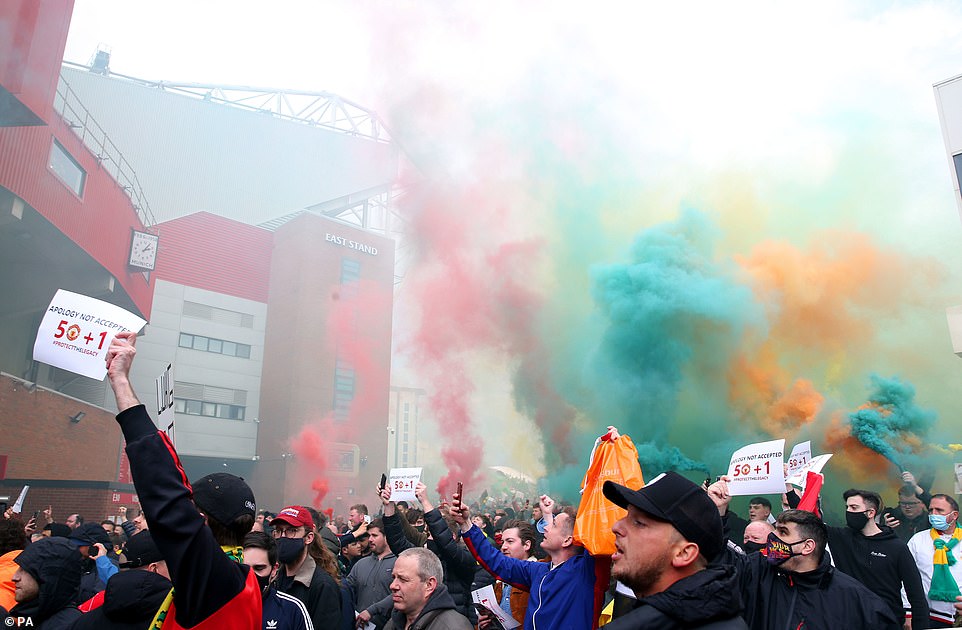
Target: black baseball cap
{"points": [[224, 497], [139, 551], [671, 498]]}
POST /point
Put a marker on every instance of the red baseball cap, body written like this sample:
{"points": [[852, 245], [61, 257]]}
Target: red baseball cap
{"points": [[296, 516]]}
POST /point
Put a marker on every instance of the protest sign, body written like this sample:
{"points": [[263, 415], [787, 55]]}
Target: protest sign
{"points": [[76, 331], [165, 402], [801, 455], [758, 469], [484, 598], [403, 481], [18, 505], [814, 465]]}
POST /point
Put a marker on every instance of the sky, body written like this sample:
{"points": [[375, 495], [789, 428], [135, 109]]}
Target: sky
{"points": [[704, 222]]}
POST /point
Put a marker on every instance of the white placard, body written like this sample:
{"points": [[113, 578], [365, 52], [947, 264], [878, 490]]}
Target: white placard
{"points": [[958, 479], [485, 597], [403, 482], [77, 330], [165, 402], [814, 465], [801, 455], [18, 506], [758, 469]]}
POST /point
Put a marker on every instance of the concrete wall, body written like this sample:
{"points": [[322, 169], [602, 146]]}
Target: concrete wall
{"points": [[201, 435]]}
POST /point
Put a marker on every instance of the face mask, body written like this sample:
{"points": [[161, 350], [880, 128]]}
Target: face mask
{"points": [[752, 547], [856, 520], [938, 521], [778, 551], [264, 582], [289, 550]]}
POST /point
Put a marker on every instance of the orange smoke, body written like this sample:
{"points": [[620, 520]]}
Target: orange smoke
{"points": [[823, 299], [763, 390], [860, 462], [820, 302]]}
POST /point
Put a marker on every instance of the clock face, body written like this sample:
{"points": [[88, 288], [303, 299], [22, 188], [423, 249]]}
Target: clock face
{"points": [[143, 250]]}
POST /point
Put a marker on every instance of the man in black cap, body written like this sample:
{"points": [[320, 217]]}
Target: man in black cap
{"points": [[135, 595], [189, 524], [46, 583], [663, 547]]}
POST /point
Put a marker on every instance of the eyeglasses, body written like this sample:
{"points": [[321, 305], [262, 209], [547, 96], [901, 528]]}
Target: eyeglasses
{"points": [[287, 533]]}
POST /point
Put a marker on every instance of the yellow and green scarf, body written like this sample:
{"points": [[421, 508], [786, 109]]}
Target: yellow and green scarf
{"points": [[944, 587]]}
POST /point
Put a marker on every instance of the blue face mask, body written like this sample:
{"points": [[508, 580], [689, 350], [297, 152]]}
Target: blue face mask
{"points": [[938, 521]]}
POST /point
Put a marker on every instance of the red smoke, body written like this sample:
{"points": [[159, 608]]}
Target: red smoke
{"points": [[475, 295]]}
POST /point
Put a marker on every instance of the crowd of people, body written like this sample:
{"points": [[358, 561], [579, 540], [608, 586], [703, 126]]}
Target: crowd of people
{"points": [[200, 555]]}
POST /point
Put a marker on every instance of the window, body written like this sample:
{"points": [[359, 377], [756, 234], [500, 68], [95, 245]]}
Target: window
{"points": [[350, 271], [218, 315], [67, 169], [958, 165], [209, 409], [216, 346], [343, 389]]}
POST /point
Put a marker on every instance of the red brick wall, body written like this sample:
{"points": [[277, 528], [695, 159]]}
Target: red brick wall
{"points": [[43, 447]]}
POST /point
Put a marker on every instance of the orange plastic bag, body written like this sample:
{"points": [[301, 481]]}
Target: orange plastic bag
{"points": [[614, 459]]}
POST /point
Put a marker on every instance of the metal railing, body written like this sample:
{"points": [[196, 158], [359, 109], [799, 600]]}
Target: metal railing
{"points": [[319, 109], [95, 138]]}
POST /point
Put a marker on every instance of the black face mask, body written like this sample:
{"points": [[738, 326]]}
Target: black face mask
{"points": [[289, 550], [264, 582], [856, 520], [752, 547]]}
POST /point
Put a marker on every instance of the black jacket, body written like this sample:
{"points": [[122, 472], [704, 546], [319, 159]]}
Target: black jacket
{"points": [[90, 583], [457, 562], [438, 614], [883, 564], [205, 580], [707, 600], [131, 601], [55, 564], [820, 599]]}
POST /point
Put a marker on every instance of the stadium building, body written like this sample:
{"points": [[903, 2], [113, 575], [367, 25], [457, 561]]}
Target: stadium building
{"points": [[269, 290]]}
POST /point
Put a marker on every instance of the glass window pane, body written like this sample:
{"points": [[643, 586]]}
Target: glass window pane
{"points": [[210, 409], [193, 407], [186, 341], [223, 411], [200, 343], [67, 168], [239, 412], [215, 345], [180, 405], [243, 351], [230, 348]]}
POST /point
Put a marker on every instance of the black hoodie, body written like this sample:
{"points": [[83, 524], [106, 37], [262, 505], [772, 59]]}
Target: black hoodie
{"points": [[708, 599], [131, 601], [55, 564], [883, 564]]}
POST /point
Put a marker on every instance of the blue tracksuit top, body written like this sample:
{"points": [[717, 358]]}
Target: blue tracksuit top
{"points": [[562, 597]]}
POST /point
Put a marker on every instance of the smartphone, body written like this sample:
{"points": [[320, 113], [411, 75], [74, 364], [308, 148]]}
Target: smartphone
{"points": [[36, 516], [383, 481], [460, 491]]}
